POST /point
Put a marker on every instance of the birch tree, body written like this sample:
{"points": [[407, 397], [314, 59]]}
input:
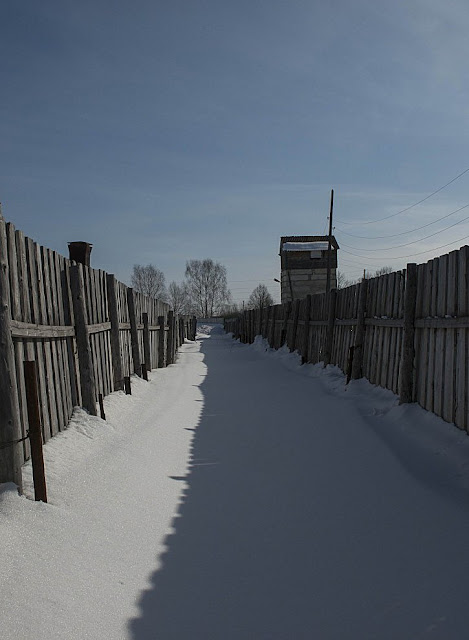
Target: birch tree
{"points": [[149, 280], [207, 287]]}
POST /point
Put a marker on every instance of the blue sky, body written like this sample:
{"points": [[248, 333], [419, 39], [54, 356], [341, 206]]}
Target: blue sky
{"points": [[165, 131]]}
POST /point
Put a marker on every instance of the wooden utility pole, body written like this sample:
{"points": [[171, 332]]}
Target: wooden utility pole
{"points": [[328, 280]]}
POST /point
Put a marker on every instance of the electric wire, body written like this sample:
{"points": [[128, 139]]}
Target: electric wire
{"points": [[403, 233], [393, 215], [397, 246], [442, 246]]}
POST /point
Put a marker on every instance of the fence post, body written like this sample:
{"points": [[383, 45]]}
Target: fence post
{"points": [[10, 456], [194, 327], [357, 362], [284, 334], [35, 432], [133, 331], [296, 315], [146, 341], [170, 341], [115, 341], [161, 342], [85, 360], [272, 329], [330, 327], [406, 390], [305, 346]]}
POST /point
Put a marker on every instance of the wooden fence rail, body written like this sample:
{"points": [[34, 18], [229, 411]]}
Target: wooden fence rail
{"points": [[85, 330], [407, 331]]}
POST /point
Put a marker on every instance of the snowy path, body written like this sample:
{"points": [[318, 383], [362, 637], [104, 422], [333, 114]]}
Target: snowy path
{"points": [[251, 501]]}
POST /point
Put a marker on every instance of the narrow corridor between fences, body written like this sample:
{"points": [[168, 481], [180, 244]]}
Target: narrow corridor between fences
{"points": [[301, 520], [239, 494]]}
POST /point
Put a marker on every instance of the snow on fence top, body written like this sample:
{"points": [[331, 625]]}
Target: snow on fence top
{"points": [[305, 246]]}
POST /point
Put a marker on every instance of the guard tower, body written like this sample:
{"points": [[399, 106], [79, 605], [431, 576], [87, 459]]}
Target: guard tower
{"points": [[304, 265]]}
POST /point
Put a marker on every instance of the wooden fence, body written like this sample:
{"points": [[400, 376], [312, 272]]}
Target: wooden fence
{"points": [[407, 331], [85, 330]]}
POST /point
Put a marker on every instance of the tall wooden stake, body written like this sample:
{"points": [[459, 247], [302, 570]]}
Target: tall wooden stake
{"points": [[328, 279], [35, 433]]}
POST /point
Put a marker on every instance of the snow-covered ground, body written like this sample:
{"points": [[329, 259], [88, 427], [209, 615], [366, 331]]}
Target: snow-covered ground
{"points": [[239, 495]]}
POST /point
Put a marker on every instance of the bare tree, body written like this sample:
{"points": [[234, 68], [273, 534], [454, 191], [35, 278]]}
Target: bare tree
{"points": [[178, 298], [207, 287], [342, 281], [230, 309], [260, 298], [149, 280], [382, 271]]}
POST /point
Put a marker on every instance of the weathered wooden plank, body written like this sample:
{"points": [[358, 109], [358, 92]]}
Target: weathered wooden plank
{"points": [[146, 342], [49, 345], [305, 356], [60, 391], [357, 363], [87, 382], [60, 274], [161, 343], [118, 377], [462, 338], [170, 343], [18, 344], [100, 327], [406, 392], [137, 367], [38, 350], [10, 419], [331, 321], [381, 312], [72, 351]]}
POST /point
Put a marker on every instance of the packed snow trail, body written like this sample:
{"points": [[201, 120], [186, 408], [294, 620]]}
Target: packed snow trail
{"points": [[239, 495]]}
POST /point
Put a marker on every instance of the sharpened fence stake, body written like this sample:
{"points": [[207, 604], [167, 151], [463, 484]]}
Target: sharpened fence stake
{"points": [[144, 371], [127, 387], [35, 433]]}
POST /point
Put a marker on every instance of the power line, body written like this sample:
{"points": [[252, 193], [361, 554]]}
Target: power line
{"points": [[412, 255], [403, 233], [397, 246], [412, 205]]}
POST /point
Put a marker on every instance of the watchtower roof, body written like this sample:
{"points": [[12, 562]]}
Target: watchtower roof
{"points": [[305, 243]]}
